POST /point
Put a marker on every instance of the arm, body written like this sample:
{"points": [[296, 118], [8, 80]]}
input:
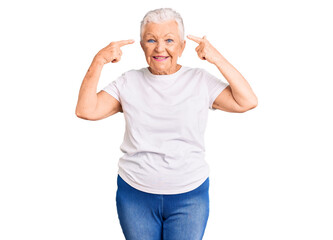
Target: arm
{"points": [[238, 96], [93, 106], [87, 100]]}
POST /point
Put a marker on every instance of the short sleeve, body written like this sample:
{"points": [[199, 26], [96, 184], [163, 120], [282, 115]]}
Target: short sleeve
{"points": [[114, 88], [215, 86]]}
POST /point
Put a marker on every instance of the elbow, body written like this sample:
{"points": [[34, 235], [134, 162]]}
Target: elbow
{"points": [[254, 103], [251, 105], [83, 116], [79, 115]]}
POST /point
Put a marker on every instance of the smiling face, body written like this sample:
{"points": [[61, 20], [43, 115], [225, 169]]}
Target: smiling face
{"points": [[162, 46]]}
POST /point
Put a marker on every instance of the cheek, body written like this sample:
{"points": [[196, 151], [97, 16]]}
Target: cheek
{"points": [[148, 55], [146, 50], [174, 51]]}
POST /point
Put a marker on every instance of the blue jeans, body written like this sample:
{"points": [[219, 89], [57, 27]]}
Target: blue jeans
{"points": [[146, 216]]}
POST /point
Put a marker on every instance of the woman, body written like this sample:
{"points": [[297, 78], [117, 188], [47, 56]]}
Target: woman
{"points": [[163, 176]]}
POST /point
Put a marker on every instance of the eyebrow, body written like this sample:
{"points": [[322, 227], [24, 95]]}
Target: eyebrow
{"points": [[164, 35]]}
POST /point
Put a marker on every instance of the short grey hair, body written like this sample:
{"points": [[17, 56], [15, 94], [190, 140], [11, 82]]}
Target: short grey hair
{"points": [[163, 15]]}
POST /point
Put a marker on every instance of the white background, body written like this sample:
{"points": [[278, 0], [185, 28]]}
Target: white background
{"points": [[271, 167]]}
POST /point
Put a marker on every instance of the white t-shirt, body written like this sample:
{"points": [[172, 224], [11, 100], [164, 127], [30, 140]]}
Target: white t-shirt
{"points": [[166, 118]]}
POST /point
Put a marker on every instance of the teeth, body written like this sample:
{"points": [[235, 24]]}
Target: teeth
{"points": [[160, 57]]}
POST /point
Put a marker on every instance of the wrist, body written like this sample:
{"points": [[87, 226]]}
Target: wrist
{"points": [[98, 60], [220, 60]]}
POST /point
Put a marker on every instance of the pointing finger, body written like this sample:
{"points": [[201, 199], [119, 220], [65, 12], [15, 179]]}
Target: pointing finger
{"points": [[195, 39], [125, 42]]}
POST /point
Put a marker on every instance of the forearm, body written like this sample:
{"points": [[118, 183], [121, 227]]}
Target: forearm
{"points": [[241, 89], [87, 99]]}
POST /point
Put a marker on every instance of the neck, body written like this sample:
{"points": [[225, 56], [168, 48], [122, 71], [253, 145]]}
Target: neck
{"points": [[167, 72]]}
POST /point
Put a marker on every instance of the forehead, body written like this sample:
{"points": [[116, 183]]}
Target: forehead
{"points": [[161, 29]]}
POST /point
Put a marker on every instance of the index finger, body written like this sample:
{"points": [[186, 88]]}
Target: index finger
{"points": [[195, 39], [125, 42]]}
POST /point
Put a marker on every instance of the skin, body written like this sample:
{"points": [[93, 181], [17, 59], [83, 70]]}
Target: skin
{"points": [[238, 96], [162, 39], [112, 52]]}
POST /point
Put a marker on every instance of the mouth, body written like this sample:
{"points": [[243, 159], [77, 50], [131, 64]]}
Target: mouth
{"points": [[160, 58]]}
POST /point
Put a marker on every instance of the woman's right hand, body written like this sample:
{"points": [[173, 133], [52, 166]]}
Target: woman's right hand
{"points": [[112, 52]]}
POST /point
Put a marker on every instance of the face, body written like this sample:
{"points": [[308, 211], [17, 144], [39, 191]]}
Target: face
{"points": [[162, 46]]}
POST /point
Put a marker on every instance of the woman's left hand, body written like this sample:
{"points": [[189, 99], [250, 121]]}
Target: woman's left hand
{"points": [[205, 50]]}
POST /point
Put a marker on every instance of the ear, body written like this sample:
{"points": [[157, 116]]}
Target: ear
{"points": [[182, 47]]}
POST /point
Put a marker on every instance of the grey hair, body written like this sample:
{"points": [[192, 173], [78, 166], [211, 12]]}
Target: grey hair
{"points": [[163, 15]]}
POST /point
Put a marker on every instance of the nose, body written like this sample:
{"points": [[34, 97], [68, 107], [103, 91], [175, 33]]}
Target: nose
{"points": [[160, 46]]}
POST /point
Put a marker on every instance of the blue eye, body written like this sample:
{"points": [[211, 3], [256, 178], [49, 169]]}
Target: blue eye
{"points": [[169, 40], [151, 40]]}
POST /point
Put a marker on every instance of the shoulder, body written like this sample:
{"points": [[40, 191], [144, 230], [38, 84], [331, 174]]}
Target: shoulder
{"points": [[197, 73], [131, 74], [196, 70], [193, 71], [134, 72]]}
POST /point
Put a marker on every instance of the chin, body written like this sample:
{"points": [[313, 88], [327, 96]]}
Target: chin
{"points": [[161, 70]]}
